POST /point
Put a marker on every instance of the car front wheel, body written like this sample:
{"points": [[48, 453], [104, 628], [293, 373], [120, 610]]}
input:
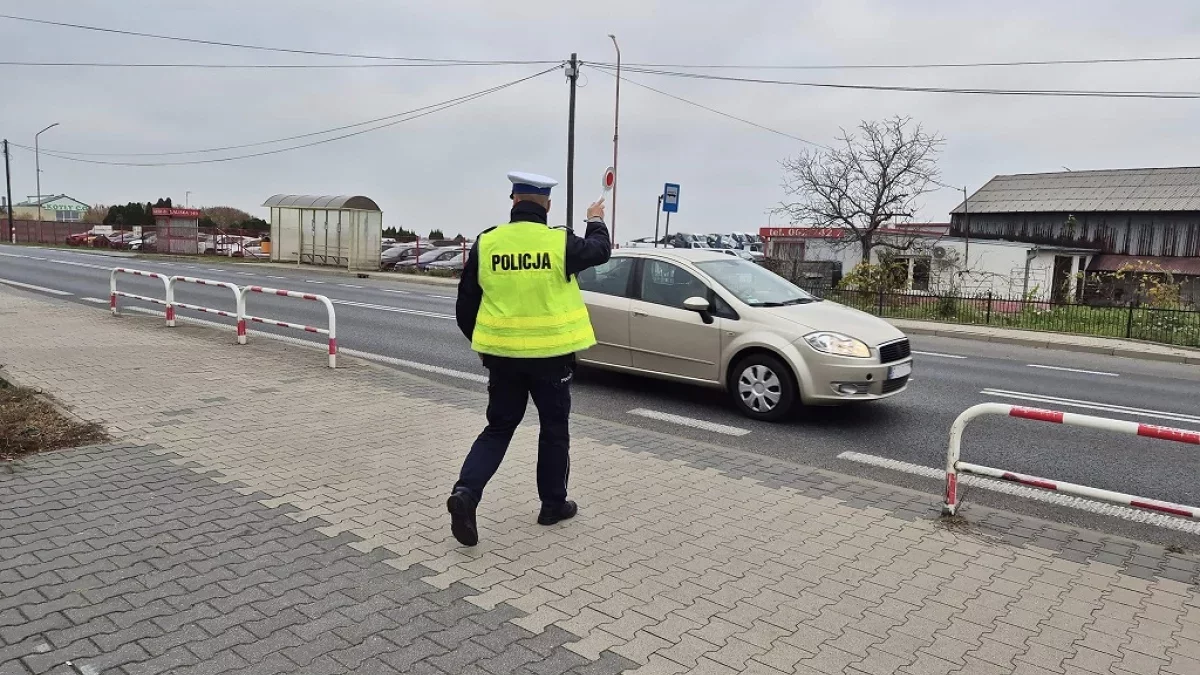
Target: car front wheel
{"points": [[763, 388]]}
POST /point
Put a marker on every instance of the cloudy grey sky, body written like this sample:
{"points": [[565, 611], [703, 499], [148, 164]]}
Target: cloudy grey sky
{"points": [[448, 170]]}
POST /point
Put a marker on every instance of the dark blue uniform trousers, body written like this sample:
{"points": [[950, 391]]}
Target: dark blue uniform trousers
{"points": [[509, 390]]}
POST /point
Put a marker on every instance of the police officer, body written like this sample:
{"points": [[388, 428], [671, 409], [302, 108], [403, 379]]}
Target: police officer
{"points": [[519, 305]]}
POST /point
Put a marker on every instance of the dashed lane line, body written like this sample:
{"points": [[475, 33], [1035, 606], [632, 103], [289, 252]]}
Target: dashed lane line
{"points": [[31, 287], [1058, 401], [690, 422], [1033, 494], [939, 355], [1072, 370]]}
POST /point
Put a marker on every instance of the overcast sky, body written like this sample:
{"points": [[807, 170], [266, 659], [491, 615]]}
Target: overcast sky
{"points": [[447, 170]]}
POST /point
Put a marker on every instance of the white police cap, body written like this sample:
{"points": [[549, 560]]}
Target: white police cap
{"points": [[531, 183]]}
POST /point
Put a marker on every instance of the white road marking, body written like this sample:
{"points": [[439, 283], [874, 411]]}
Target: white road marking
{"points": [[1073, 370], [310, 281], [322, 346], [391, 290], [939, 355], [349, 286], [690, 422], [57, 262], [213, 269], [443, 297], [1034, 494], [246, 274], [386, 308], [98, 301], [1091, 405], [31, 287], [271, 277]]}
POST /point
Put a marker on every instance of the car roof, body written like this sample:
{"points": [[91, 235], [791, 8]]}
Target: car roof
{"points": [[692, 255]]}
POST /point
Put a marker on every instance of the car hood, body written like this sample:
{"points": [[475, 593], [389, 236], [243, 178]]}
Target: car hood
{"points": [[831, 316]]}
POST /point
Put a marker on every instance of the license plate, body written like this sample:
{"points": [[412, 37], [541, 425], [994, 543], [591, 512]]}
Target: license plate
{"points": [[902, 370]]}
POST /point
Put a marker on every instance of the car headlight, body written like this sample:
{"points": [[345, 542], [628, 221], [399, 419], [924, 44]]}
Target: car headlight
{"points": [[838, 345]]}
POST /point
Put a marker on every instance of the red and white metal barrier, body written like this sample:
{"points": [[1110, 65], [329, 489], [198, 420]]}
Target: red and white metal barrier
{"points": [[238, 300], [331, 331], [113, 293], [954, 465]]}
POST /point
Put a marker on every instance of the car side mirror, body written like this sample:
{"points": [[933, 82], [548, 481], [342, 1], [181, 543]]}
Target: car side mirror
{"points": [[701, 306]]}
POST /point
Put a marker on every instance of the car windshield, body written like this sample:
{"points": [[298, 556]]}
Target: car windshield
{"points": [[433, 255], [754, 285]]}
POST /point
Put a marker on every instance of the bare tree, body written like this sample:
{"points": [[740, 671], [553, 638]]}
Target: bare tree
{"points": [[226, 217], [865, 183]]}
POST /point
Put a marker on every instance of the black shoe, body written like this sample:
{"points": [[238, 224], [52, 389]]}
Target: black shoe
{"points": [[461, 506], [554, 514]]}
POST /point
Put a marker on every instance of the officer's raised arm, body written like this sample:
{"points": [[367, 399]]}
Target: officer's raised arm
{"points": [[594, 247]]}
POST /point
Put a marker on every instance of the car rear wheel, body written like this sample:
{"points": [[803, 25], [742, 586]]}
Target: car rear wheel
{"points": [[763, 387]]}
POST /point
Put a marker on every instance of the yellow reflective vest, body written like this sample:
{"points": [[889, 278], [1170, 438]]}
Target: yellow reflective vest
{"points": [[530, 308]]}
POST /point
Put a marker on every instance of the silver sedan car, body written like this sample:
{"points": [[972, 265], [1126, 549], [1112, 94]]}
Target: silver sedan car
{"points": [[706, 318]]}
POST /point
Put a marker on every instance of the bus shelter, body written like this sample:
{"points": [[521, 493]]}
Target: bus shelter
{"points": [[333, 230]]}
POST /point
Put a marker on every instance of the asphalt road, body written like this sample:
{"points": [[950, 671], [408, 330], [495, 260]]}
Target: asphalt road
{"points": [[412, 326]]}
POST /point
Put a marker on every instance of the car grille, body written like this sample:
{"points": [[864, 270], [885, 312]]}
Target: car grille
{"points": [[894, 385], [894, 351]]}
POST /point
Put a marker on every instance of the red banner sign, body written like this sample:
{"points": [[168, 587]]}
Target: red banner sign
{"points": [[801, 232], [177, 213]]}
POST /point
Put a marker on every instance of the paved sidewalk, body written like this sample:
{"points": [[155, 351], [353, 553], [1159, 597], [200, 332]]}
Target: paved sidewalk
{"points": [[263, 514]]}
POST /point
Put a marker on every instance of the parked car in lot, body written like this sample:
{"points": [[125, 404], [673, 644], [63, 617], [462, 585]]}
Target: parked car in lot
{"points": [[706, 318], [399, 253], [89, 238], [436, 255], [248, 249]]}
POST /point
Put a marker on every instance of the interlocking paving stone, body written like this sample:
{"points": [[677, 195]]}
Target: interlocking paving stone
{"points": [[317, 543]]}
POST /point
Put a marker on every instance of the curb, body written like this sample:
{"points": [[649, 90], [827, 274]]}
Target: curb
{"points": [[1054, 341]]}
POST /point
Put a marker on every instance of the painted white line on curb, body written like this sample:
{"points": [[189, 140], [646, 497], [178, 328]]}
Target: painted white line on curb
{"points": [[939, 355], [689, 422], [31, 287], [1055, 401], [1072, 370], [323, 346], [1033, 494], [98, 301]]}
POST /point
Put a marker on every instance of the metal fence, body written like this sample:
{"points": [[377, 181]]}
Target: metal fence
{"points": [[179, 240], [1168, 325]]}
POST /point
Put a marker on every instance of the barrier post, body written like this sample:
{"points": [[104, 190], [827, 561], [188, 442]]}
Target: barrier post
{"points": [[955, 466], [168, 296], [330, 332]]}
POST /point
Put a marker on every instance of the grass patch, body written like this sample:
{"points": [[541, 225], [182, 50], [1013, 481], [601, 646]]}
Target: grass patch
{"points": [[31, 423]]}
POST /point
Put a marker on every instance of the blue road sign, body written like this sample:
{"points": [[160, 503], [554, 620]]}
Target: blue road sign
{"points": [[671, 198]]}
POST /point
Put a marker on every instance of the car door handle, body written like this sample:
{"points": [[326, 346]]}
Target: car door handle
{"points": [[637, 313]]}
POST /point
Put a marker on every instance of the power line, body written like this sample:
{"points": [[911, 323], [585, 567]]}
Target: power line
{"points": [[251, 66], [273, 141], [913, 66], [1074, 93], [715, 111], [237, 45], [427, 110]]}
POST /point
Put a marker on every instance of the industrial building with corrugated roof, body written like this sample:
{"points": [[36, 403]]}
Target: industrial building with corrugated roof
{"points": [[1127, 218]]}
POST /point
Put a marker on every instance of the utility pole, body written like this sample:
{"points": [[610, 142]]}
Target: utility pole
{"points": [[12, 230], [966, 230], [573, 77], [616, 129], [37, 167]]}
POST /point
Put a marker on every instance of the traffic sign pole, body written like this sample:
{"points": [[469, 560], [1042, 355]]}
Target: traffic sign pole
{"points": [[657, 215]]}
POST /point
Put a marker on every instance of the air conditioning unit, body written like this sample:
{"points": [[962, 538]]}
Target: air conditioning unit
{"points": [[940, 253]]}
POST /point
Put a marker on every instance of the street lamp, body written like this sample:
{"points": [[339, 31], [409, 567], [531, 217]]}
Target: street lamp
{"points": [[616, 128], [37, 166]]}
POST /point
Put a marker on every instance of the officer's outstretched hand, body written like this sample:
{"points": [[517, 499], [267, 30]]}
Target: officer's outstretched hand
{"points": [[596, 210]]}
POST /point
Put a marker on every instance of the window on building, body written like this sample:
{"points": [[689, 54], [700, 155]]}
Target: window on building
{"points": [[68, 216], [920, 274]]}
